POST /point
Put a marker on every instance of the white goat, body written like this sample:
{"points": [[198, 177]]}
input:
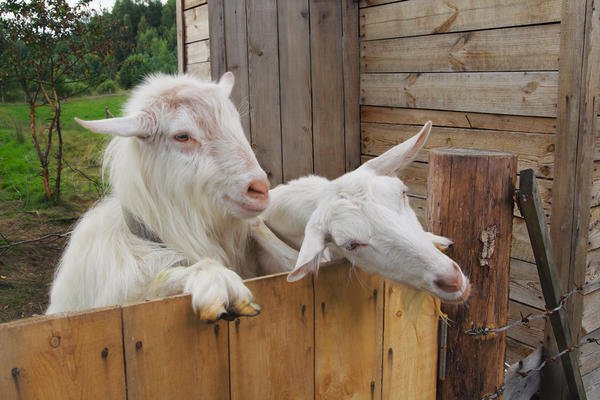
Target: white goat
{"points": [[366, 217], [184, 183]]}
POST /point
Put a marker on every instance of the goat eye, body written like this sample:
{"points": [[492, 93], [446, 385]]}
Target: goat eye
{"points": [[182, 137], [351, 245]]}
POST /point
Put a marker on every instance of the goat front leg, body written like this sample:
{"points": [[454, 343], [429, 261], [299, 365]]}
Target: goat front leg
{"points": [[274, 255], [217, 292]]}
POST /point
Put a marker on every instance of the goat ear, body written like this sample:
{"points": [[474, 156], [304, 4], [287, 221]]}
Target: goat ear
{"points": [[311, 250], [226, 82], [401, 155], [137, 125]]}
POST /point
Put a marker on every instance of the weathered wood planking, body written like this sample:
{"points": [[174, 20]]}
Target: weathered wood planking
{"points": [[525, 284], [195, 23], [532, 333], [589, 357], [591, 382], [272, 356], [327, 88], [530, 48], [408, 374], [197, 52], [295, 81], [594, 229], [369, 3], [236, 54], [454, 119], [590, 316], [516, 351], [351, 72], [348, 340], [514, 93], [179, 23], [423, 17], [263, 78], [170, 353], [187, 4], [201, 70], [216, 29], [77, 357], [534, 150]]}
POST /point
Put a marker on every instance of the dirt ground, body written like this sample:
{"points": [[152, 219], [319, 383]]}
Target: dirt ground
{"points": [[26, 269]]}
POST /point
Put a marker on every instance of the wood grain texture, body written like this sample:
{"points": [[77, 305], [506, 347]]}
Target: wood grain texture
{"points": [[577, 111], [61, 357], [348, 333], [200, 70], [454, 119], [534, 150], [216, 29], [589, 357], [514, 93], [192, 3], [516, 351], [236, 50], [525, 284], [179, 23], [590, 320], [180, 358], [350, 62], [263, 79], [327, 88], [461, 181], [532, 333], [411, 323], [295, 81], [272, 355], [197, 52], [424, 17], [529, 48], [195, 24]]}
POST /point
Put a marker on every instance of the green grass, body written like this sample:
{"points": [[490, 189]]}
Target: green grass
{"points": [[20, 180]]}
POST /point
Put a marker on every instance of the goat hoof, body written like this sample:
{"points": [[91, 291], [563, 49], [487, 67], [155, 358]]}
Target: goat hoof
{"points": [[213, 313], [249, 309]]}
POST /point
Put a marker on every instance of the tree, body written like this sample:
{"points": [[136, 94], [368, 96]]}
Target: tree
{"points": [[46, 45]]}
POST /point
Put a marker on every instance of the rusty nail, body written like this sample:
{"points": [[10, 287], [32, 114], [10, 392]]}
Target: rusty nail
{"points": [[104, 352], [216, 328], [138, 345], [15, 372]]}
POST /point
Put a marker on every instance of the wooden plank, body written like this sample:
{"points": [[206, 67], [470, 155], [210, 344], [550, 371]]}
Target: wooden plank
{"points": [[350, 62], [263, 78], [577, 110], [294, 70], [423, 17], [272, 355], [179, 22], [187, 4], [216, 28], [454, 119], [369, 3], [589, 356], [72, 356], [514, 93], [593, 266], [590, 320], [525, 284], [531, 208], [532, 333], [591, 381], [594, 229], [237, 57], [595, 200], [410, 344], [198, 52], [200, 70], [327, 88], [195, 24], [170, 353], [534, 150], [530, 48], [460, 181], [348, 333], [516, 351]]}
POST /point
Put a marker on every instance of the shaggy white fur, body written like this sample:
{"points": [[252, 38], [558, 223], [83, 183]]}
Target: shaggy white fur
{"points": [[181, 165]]}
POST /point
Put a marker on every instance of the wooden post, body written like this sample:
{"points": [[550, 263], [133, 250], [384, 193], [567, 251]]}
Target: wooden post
{"points": [[470, 200]]}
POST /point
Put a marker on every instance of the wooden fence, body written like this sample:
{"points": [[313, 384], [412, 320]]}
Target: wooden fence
{"points": [[345, 335]]}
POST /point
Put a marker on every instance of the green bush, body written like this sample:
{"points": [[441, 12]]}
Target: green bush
{"points": [[107, 87], [133, 70]]}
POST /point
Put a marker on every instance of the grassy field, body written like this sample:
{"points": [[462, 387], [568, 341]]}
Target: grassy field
{"points": [[26, 269]]}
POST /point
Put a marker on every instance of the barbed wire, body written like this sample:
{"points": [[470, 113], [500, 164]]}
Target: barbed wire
{"points": [[498, 392], [526, 319]]}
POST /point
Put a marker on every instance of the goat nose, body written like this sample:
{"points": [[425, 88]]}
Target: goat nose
{"points": [[453, 282], [258, 189]]}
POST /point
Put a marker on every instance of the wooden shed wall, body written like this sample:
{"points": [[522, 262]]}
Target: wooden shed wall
{"points": [[487, 74]]}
